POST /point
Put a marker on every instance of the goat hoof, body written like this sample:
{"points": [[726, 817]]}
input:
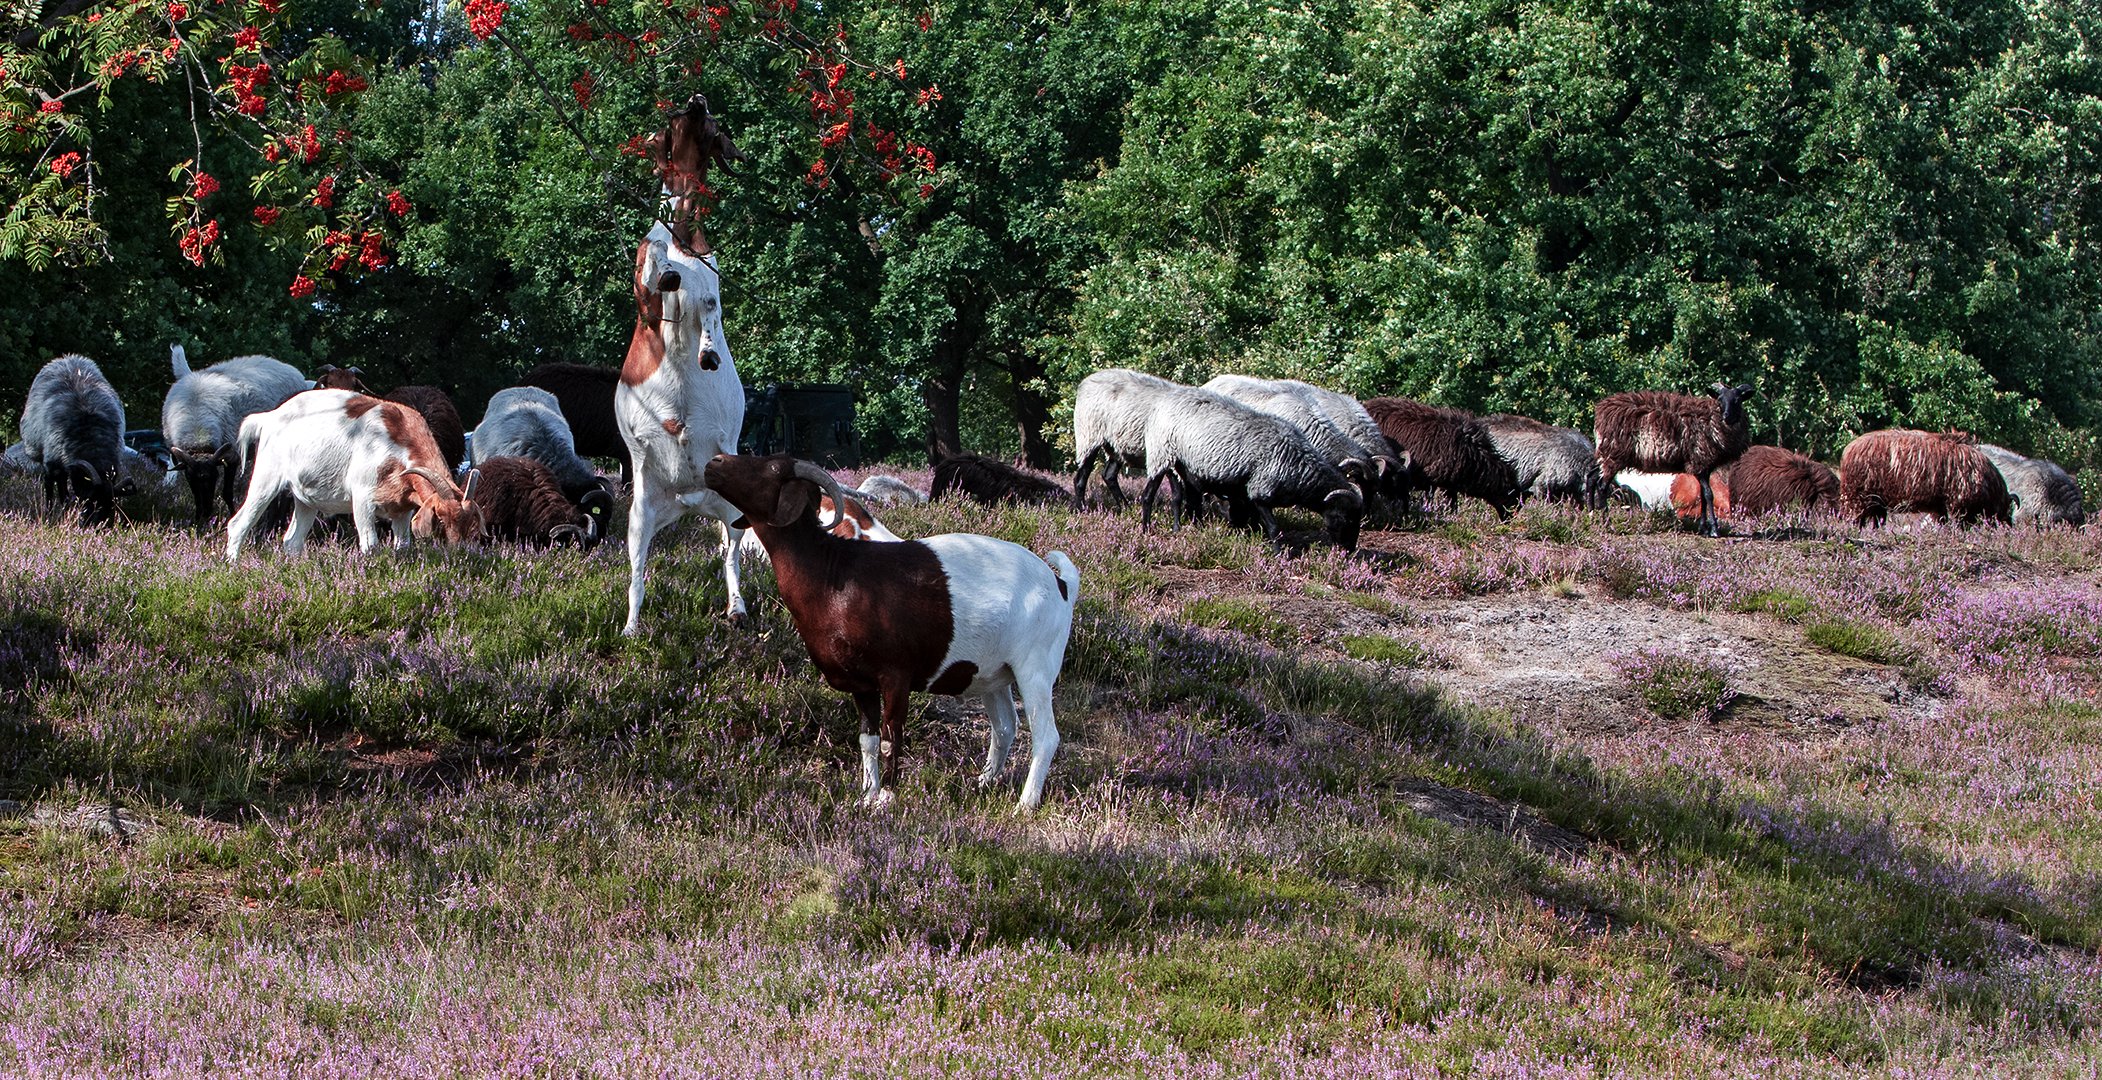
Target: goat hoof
{"points": [[879, 799]]}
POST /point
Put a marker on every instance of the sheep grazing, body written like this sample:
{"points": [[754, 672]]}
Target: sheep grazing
{"points": [[1374, 471], [883, 490], [339, 452], [586, 396], [1214, 444], [73, 435], [952, 614], [1449, 450], [1656, 431], [436, 408], [983, 480], [1110, 409], [2043, 493], [526, 421], [203, 413], [1768, 478], [1900, 470], [1548, 462], [521, 503], [331, 377]]}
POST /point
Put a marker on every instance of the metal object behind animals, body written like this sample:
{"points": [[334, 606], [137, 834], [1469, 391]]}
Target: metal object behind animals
{"points": [[813, 422]]}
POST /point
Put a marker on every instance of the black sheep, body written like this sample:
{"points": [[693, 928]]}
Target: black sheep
{"points": [[586, 397], [991, 482]]}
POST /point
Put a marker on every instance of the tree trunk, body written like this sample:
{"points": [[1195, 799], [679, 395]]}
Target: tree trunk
{"points": [[940, 391], [1032, 412]]}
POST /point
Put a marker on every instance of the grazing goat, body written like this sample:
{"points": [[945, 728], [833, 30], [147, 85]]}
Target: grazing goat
{"points": [[1110, 409], [2043, 493], [1656, 431], [983, 480], [203, 413], [522, 503], [1295, 403], [1941, 473], [338, 452], [526, 421], [952, 614], [1765, 479], [586, 396], [1214, 444], [1449, 450], [1548, 462], [436, 408], [73, 434]]}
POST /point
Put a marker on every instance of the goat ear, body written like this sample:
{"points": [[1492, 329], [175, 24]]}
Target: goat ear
{"points": [[742, 522], [792, 502]]}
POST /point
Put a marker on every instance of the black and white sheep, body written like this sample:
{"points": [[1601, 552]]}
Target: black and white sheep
{"points": [[526, 421], [1449, 450], [202, 417], [951, 614], [73, 435], [586, 397], [1655, 431], [1548, 462], [983, 480], [1215, 445], [2043, 493], [522, 503], [1110, 409]]}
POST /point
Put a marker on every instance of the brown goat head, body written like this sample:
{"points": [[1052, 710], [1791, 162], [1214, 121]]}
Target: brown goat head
{"points": [[778, 490]]}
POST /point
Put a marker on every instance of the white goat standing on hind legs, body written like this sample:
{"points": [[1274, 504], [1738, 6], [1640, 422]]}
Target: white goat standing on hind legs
{"points": [[679, 404]]}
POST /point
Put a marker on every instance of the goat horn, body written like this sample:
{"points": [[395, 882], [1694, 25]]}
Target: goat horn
{"points": [[438, 479], [828, 484]]}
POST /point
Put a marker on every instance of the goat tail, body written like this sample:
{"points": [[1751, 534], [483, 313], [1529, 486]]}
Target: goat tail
{"points": [[1068, 577], [244, 443], [179, 361]]}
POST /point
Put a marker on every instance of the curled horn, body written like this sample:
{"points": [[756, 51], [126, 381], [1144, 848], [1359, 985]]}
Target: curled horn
{"points": [[1353, 467], [179, 456], [830, 486], [1344, 493], [567, 534], [437, 479], [226, 455]]}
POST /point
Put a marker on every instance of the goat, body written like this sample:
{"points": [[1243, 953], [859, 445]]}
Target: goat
{"points": [[1548, 462], [983, 480], [436, 408], [203, 413], [1214, 444], [1943, 473], [952, 614], [2043, 493], [340, 452], [1110, 409], [1449, 450], [1656, 431], [331, 377], [73, 434], [526, 421], [522, 503], [586, 396], [1768, 478]]}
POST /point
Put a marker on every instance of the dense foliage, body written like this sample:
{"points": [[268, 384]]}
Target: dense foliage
{"points": [[1877, 213]]}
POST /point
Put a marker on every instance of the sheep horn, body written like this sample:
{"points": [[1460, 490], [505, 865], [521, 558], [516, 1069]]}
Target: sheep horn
{"points": [[572, 533], [225, 454], [1353, 467], [1347, 494], [828, 484]]}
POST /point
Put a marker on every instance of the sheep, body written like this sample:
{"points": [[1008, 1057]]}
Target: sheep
{"points": [[203, 412], [1768, 478], [2043, 493], [1942, 473], [526, 421], [586, 397], [73, 435], [951, 614], [1549, 462], [1214, 444], [889, 491], [1293, 402], [1110, 408], [522, 503], [1449, 450], [1662, 432], [339, 452], [983, 480], [1390, 462]]}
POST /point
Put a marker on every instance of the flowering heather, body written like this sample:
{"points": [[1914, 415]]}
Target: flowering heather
{"points": [[430, 814]]}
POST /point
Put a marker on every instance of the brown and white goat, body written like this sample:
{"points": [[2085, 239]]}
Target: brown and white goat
{"points": [[338, 452], [952, 614]]}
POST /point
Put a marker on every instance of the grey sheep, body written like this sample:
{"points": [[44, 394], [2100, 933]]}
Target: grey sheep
{"points": [[1110, 409], [526, 421], [203, 412], [1554, 463], [73, 434], [2044, 493], [1215, 445], [1295, 403]]}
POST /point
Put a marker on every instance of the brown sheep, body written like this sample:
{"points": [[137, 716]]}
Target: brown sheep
{"points": [[1768, 478], [522, 503], [1654, 431], [1448, 449], [1941, 473]]}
